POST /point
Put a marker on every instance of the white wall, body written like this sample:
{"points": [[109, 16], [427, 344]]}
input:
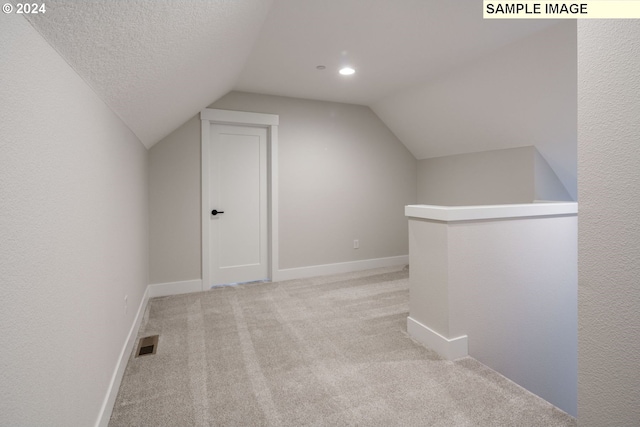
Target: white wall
{"points": [[342, 176], [73, 233], [521, 95], [609, 239], [501, 289], [514, 284]]}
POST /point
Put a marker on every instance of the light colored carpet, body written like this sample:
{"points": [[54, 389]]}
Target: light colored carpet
{"points": [[323, 351]]}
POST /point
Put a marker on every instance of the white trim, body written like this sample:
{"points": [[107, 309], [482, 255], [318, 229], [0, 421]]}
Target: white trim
{"points": [[273, 200], [239, 117], [152, 291], [205, 223], [112, 392], [450, 349], [342, 267], [174, 288], [211, 116], [467, 213]]}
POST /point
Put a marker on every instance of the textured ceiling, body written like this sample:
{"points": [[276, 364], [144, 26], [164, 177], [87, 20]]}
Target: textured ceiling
{"points": [[155, 63], [392, 44]]}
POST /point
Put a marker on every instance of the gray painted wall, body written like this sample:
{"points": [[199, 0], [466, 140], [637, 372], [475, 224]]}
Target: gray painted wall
{"points": [[513, 175], [546, 183], [174, 200], [521, 95], [73, 236], [489, 177], [609, 229], [343, 176]]}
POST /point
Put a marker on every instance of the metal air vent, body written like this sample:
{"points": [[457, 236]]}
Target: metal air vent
{"points": [[147, 345]]}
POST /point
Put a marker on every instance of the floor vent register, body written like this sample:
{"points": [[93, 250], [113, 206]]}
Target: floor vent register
{"points": [[147, 346]]}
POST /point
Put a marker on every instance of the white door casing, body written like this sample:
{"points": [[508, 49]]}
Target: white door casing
{"points": [[231, 252]]}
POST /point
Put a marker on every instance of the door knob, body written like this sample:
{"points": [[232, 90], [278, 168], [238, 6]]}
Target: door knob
{"points": [[215, 212]]}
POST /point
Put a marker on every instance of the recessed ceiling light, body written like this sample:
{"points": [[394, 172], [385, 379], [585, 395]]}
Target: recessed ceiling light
{"points": [[347, 71]]}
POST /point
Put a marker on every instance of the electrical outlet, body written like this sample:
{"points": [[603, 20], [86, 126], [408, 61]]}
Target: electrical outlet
{"points": [[356, 244]]}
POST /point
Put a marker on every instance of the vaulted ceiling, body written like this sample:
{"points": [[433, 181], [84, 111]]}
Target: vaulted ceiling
{"points": [[393, 44], [156, 63]]}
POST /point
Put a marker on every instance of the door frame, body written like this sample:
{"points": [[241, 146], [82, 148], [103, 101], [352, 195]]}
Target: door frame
{"points": [[211, 116]]}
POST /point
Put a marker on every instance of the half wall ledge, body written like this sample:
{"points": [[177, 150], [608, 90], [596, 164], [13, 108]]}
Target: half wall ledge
{"points": [[499, 283], [470, 213]]}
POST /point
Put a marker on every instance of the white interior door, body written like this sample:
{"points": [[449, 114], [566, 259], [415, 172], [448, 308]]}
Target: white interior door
{"points": [[238, 193]]}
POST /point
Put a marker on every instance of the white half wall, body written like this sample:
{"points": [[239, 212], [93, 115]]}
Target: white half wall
{"points": [[500, 281], [73, 233], [516, 300]]}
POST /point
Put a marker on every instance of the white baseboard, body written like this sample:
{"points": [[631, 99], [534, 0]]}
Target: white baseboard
{"points": [[116, 379], [342, 267], [450, 349], [152, 291], [174, 288]]}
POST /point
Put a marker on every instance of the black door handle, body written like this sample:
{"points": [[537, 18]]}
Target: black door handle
{"points": [[215, 212]]}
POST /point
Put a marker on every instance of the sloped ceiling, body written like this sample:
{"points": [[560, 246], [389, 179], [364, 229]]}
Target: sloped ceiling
{"points": [[520, 95], [393, 44], [156, 63]]}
